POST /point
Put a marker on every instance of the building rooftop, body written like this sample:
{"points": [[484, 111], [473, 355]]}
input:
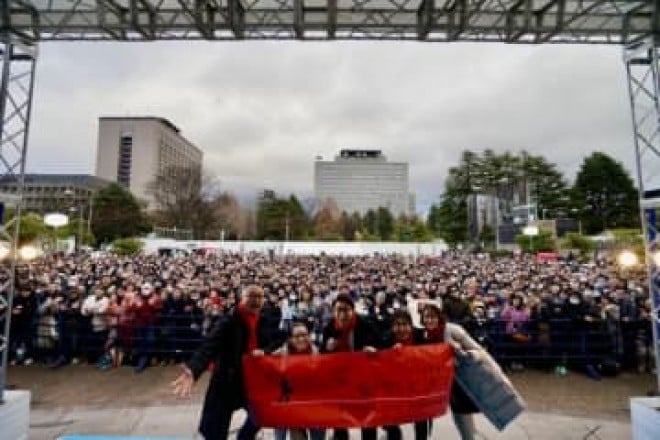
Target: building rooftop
{"points": [[162, 120], [79, 179], [360, 153]]}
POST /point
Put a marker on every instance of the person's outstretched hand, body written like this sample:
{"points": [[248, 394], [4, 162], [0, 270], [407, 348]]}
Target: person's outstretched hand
{"points": [[182, 385]]}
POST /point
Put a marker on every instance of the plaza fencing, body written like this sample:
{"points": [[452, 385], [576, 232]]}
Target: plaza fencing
{"points": [[172, 338]]}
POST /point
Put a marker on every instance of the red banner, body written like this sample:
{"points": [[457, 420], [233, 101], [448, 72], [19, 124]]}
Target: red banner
{"points": [[346, 390]]}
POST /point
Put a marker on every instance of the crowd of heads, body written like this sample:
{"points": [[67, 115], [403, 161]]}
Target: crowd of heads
{"points": [[205, 287]]}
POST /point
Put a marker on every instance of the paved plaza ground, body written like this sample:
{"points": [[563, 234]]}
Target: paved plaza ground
{"points": [[83, 400]]}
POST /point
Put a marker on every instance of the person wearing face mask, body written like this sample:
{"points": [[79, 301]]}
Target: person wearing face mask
{"points": [[96, 307], [515, 317], [175, 321], [585, 318], [23, 315], [541, 314]]}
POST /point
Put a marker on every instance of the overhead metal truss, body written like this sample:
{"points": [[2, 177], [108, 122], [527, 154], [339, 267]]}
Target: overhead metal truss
{"points": [[643, 69], [511, 21], [16, 86]]}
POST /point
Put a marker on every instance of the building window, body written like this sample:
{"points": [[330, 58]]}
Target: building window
{"points": [[125, 160]]}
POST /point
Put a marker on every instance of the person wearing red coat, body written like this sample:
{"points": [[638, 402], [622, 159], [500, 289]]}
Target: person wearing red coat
{"points": [[145, 309]]}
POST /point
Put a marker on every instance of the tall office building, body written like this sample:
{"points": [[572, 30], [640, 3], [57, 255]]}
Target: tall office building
{"points": [[134, 150], [359, 180]]}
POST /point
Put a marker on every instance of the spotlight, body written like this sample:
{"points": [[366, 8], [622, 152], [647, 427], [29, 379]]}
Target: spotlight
{"points": [[627, 258], [28, 252]]}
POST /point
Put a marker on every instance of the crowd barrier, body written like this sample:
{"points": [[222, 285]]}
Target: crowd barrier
{"points": [[547, 343]]}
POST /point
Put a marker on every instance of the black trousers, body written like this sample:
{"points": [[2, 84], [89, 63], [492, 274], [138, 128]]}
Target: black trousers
{"points": [[219, 429], [367, 434], [421, 431]]}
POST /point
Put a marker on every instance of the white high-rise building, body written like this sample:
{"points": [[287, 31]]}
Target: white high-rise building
{"points": [[359, 180], [134, 150]]}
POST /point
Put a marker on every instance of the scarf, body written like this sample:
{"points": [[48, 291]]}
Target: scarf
{"points": [[407, 341], [292, 350], [343, 342], [436, 335], [251, 320]]}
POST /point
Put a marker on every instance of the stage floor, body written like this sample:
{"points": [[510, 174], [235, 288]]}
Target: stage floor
{"points": [[179, 422]]}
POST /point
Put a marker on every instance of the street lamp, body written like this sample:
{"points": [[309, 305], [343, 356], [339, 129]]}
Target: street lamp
{"points": [[576, 212], [56, 220], [531, 231], [79, 237], [78, 206]]}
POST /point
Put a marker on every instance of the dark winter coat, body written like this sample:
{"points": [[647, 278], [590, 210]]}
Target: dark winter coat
{"points": [[364, 335], [225, 346]]}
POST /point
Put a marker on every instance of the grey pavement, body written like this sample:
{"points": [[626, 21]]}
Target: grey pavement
{"points": [[180, 421]]}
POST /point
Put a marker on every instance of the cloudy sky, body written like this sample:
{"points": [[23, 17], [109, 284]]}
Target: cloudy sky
{"points": [[262, 111]]}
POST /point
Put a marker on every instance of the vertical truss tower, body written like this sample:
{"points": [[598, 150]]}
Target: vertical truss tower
{"points": [[16, 85], [643, 69]]}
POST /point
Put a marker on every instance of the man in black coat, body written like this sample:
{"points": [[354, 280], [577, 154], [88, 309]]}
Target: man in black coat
{"points": [[349, 332], [244, 331]]}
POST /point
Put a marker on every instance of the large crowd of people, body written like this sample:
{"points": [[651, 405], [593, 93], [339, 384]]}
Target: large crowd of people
{"points": [[151, 309]]}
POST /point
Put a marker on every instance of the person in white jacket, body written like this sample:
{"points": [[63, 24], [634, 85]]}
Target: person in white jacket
{"points": [[96, 306]]}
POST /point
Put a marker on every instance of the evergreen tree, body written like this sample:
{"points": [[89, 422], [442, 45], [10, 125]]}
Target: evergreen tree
{"points": [[117, 214], [604, 195]]}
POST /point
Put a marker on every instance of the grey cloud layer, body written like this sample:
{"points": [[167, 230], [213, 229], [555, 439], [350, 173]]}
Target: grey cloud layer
{"points": [[263, 110]]}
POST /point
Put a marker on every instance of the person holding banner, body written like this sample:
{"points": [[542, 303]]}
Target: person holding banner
{"points": [[403, 334], [347, 332], [299, 343], [436, 330], [244, 331]]}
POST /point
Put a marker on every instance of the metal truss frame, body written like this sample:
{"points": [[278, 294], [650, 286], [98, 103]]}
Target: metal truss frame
{"points": [[643, 70], [633, 23], [16, 87], [510, 21]]}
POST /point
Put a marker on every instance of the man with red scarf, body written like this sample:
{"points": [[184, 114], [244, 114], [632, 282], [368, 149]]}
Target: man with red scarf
{"points": [[348, 332], [244, 331]]}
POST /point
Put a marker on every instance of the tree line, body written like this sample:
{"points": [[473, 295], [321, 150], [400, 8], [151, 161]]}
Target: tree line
{"points": [[188, 200], [602, 196]]}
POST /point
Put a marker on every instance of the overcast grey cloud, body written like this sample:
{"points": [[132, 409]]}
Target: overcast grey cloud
{"points": [[262, 111]]}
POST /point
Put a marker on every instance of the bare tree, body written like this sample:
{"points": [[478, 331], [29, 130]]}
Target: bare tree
{"points": [[181, 198]]}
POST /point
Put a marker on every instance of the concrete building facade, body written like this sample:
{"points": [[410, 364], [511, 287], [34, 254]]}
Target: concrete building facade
{"points": [[360, 180], [44, 193], [134, 150]]}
